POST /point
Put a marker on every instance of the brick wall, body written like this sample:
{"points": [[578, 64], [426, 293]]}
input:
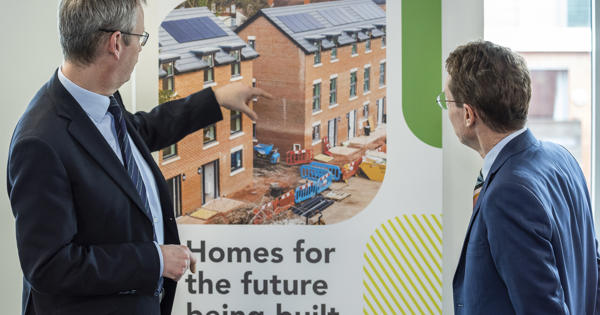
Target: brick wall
{"points": [[342, 68], [278, 70], [285, 71], [192, 154]]}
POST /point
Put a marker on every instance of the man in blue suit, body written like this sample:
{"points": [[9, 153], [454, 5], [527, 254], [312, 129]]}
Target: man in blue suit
{"points": [[530, 247], [96, 232]]}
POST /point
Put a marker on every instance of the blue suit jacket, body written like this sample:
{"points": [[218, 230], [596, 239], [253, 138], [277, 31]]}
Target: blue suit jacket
{"points": [[530, 246]]}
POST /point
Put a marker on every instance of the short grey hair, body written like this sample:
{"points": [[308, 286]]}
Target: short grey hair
{"points": [[80, 21]]}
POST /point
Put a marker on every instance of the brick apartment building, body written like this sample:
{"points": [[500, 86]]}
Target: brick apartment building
{"points": [[325, 65], [198, 51]]}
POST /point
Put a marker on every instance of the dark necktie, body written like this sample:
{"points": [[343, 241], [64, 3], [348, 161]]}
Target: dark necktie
{"points": [[129, 162], [477, 188]]}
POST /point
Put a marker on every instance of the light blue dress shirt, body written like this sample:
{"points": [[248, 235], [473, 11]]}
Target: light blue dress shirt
{"points": [[489, 159], [96, 107]]}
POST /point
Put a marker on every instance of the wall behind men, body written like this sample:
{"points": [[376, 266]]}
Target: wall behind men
{"points": [[30, 53]]}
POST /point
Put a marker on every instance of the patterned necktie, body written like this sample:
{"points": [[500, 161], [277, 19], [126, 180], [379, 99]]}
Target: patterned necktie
{"points": [[477, 188], [129, 162]]}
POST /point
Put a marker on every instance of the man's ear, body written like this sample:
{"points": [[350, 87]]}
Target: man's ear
{"points": [[114, 44], [471, 116]]}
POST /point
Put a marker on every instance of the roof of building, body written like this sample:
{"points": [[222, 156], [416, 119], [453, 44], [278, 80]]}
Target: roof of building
{"points": [[379, 1], [352, 19], [187, 34]]}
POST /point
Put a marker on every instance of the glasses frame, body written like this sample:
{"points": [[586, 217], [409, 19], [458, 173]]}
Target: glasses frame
{"points": [[443, 104], [143, 37]]}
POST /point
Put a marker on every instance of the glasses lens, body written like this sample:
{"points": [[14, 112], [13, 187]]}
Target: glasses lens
{"points": [[144, 38]]}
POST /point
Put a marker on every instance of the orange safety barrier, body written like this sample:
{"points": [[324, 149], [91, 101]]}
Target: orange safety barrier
{"points": [[326, 146], [264, 212], [297, 157], [285, 201], [350, 169]]}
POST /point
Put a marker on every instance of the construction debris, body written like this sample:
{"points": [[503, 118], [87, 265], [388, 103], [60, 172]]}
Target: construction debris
{"points": [[337, 195]]}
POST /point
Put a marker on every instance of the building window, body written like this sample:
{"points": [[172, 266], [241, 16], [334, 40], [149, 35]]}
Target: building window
{"points": [[210, 133], [169, 151], [318, 53], [316, 97], [235, 66], [578, 13], [333, 91], [355, 44], [353, 84], [383, 41], [252, 43], [236, 160], [367, 81], [254, 85], [254, 131], [382, 74], [334, 53], [368, 45], [316, 133], [236, 121], [209, 73], [366, 111], [169, 80]]}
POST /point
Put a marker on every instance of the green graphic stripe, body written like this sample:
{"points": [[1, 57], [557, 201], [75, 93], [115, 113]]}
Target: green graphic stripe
{"points": [[387, 288], [439, 281], [407, 276], [437, 263], [393, 285], [406, 289], [422, 69], [410, 265], [437, 236], [369, 304]]}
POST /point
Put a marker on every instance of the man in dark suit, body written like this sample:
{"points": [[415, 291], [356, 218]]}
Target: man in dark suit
{"points": [[530, 246], [96, 232]]}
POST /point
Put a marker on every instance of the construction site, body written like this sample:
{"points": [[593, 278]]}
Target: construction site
{"points": [[317, 152], [303, 189]]}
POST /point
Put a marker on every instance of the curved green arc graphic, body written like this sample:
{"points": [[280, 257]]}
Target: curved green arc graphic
{"points": [[422, 69]]}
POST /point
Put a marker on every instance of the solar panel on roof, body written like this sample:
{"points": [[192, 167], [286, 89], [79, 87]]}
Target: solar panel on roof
{"points": [[340, 16], [369, 12], [300, 22], [193, 29]]}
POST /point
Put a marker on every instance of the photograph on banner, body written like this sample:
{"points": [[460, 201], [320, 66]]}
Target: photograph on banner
{"points": [[317, 152]]}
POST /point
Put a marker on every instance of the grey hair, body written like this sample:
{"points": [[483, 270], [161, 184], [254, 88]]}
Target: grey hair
{"points": [[80, 21]]}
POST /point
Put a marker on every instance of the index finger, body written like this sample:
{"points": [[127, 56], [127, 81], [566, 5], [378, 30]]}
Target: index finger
{"points": [[260, 92], [193, 264]]}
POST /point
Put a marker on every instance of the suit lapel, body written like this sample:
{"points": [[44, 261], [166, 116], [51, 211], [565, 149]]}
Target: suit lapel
{"points": [[516, 145], [170, 227], [83, 130]]}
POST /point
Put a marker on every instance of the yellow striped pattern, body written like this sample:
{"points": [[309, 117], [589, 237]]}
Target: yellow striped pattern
{"points": [[403, 267]]}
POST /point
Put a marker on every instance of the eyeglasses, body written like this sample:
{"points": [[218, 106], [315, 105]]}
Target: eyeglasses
{"points": [[143, 37], [442, 101]]}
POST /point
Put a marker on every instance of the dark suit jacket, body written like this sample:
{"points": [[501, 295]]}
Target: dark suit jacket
{"points": [[85, 244], [530, 247]]}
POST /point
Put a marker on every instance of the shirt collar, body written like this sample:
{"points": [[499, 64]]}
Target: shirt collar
{"points": [[489, 159], [94, 104]]}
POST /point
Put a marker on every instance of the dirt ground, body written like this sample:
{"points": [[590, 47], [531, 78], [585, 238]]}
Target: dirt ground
{"points": [[259, 192], [361, 190]]}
